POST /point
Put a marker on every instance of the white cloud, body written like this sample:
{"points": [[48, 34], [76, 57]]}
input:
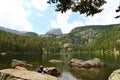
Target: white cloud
{"points": [[39, 14], [28, 4], [40, 4], [13, 15], [107, 16], [62, 22]]}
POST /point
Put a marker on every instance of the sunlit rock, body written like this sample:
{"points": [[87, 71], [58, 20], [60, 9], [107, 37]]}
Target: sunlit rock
{"points": [[115, 75]]}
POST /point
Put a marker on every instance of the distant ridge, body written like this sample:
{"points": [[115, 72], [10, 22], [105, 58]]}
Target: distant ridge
{"points": [[18, 32], [30, 34], [11, 30]]}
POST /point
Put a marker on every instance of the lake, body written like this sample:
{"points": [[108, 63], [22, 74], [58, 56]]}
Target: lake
{"points": [[67, 72]]}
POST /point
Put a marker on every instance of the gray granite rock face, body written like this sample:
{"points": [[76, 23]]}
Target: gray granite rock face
{"points": [[54, 31]]}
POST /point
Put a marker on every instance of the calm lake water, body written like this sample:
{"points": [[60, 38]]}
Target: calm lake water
{"points": [[68, 73]]}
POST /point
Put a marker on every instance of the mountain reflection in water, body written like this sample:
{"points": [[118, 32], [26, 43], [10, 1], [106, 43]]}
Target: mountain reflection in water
{"points": [[67, 76]]}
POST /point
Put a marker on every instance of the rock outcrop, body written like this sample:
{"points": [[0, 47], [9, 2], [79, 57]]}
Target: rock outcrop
{"points": [[11, 30], [96, 62], [115, 75], [13, 74]]}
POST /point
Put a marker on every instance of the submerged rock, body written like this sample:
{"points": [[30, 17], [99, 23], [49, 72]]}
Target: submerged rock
{"points": [[16, 62], [3, 54], [96, 62], [115, 75], [13, 74], [55, 61]]}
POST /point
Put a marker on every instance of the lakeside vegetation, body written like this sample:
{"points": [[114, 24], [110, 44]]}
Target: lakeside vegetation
{"points": [[108, 40], [98, 38], [18, 43]]}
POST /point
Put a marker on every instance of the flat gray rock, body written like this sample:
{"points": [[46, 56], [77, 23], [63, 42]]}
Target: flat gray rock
{"points": [[26, 75]]}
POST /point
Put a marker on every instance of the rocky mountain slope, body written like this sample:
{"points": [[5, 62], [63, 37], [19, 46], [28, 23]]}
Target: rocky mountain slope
{"points": [[18, 32], [85, 34], [30, 34]]}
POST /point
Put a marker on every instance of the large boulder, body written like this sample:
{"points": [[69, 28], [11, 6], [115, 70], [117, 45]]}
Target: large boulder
{"points": [[16, 62], [115, 75], [96, 62], [14, 74], [53, 71]]}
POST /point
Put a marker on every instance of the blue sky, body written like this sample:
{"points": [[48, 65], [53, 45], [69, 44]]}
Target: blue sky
{"points": [[39, 17]]}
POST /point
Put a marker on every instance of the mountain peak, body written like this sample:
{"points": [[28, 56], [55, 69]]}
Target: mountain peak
{"points": [[55, 31]]}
